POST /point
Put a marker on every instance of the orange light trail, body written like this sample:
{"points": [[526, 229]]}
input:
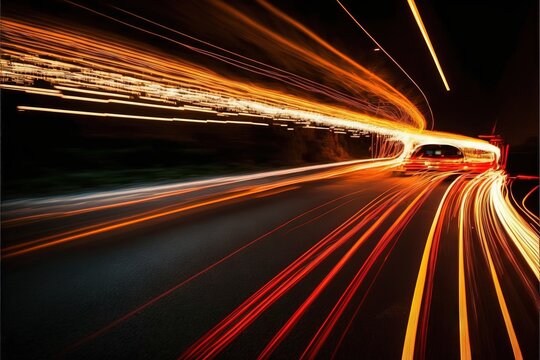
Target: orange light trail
{"points": [[99, 73], [225, 196], [424, 32], [92, 69], [464, 337], [96, 67], [532, 215], [379, 48], [484, 191], [414, 314], [128, 116]]}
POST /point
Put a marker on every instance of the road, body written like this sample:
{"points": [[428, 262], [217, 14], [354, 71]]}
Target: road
{"points": [[345, 261]]}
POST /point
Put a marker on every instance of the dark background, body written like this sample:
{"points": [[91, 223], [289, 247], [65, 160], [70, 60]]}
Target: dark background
{"points": [[54, 153]]}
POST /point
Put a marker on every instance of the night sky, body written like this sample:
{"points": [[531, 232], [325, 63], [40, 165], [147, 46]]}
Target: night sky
{"points": [[487, 49]]}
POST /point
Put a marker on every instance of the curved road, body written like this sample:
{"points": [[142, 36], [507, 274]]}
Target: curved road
{"points": [[345, 261]]}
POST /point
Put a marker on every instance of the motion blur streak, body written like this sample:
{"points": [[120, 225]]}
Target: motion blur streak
{"points": [[95, 75], [278, 338], [141, 117], [348, 256], [484, 213], [464, 337], [62, 206], [522, 205], [483, 191], [424, 32], [76, 64], [172, 80], [391, 234], [168, 292], [379, 47], [525, 198], [227, 195], [412, 325], [393, 96], [521, 233], [375, 212]]}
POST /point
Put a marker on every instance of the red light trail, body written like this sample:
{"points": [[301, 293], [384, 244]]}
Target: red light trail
{"points": [[492, 232]]}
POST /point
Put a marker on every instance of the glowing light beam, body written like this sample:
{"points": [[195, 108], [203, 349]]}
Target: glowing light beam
{"points": [[424, 32]]}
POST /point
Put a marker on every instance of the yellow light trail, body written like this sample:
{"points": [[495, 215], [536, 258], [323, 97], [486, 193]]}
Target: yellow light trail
{"points": [[130, 116], [484, 192], [66, 88], [464, 337], [484, 214], [414, 314], [522, 234], [424, 32], [529, 213]]}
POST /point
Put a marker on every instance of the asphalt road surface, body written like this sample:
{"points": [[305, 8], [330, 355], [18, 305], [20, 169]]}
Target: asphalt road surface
{"points": [[317, 263]]}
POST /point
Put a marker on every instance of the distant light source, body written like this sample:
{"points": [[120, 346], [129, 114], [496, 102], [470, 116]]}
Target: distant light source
{"points": [[376, 49], [423, 30]]}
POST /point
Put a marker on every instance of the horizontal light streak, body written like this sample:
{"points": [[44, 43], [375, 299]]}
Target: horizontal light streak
{"points": [[94, 92], [240, 192], [316, 127], [200, 109], [125, 102], [29, 88], [128, 116], [83, 98], [270, 109], [156, 99]]}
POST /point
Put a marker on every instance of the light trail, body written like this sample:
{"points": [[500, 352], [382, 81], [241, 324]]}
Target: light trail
{"points": [[414, 314], [425, 34], [222, 90], [171, 290], [276, 73], [532, 215], [523, 236], [93, 69], [166, 211], [534, 220], [484, 214], [278, 338], [379, 48], [473, 197], [464, 337], [91, 65], [61, 206], [226, 331], [392, 233], [93, 92], [131, 116], [483, 192]]}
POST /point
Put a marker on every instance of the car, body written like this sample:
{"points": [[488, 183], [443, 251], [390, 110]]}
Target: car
{"points": [[438, 157]]}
